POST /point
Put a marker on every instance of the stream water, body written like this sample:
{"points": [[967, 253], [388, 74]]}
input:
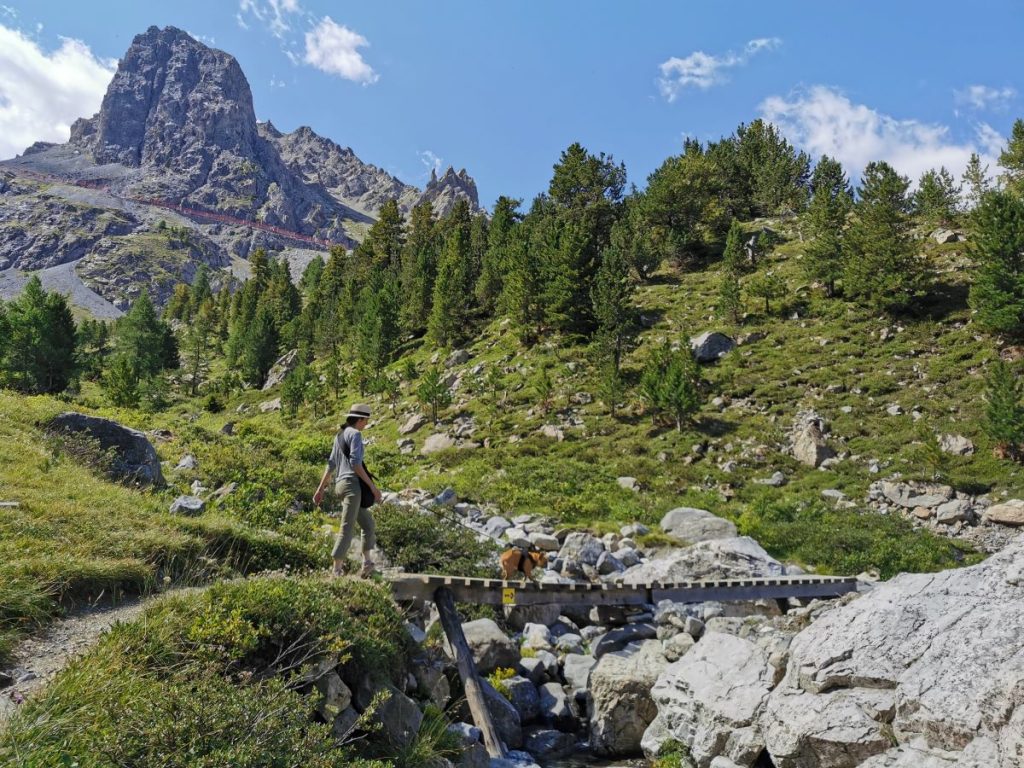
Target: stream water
{"points": [[585, 760]]}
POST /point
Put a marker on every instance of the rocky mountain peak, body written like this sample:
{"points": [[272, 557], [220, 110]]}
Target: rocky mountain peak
{"points": [[443, 192], [171, 97]]}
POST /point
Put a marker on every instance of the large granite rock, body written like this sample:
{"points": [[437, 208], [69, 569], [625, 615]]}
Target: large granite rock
{"points": [[399, 718], [581, 547], [1008, 513], [504, 715], [691, 525], [284, 365], [739, 557], [620, 685], [710, 699], [491, 647], [807, 440], [134, 457], [710, 346], [929, 664]]}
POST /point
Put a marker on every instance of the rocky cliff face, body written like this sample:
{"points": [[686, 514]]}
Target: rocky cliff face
{"points": [[320, 161], [177, 126], [925, 670], [182, 114], [443, 193], [362, 186]]}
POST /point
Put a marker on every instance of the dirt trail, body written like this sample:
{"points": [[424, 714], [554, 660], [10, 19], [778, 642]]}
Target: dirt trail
{"points": [[38, 659]]}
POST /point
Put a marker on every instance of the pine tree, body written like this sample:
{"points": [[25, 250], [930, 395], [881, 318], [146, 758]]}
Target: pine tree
{"points": [[92, 341], [197, 344], [634, 239], [729, 297], [584, 202], [259, 347], [976, 182], [497, 257], [142, 339], [179, 305], [767, 286], [450, 308], [545, 388], [144, 347], [777, 173], [1004, 413], [121, 383], [937, 198], [377, 328], [521, 294], [38, 352], [385, 240], [882, 267], [419, 268], [433, 393], [831, 201], [669, 385], [682, 211], [311, 276], [294, 389], [997, 248], [612, 297], [1012, 159], [200, 290]]}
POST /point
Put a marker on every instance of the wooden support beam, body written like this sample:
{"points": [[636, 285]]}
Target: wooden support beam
{"points": [[419, 587], [467, 671]]}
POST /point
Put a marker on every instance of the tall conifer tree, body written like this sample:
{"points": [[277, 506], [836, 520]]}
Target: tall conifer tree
{"points": [[882, 267]]}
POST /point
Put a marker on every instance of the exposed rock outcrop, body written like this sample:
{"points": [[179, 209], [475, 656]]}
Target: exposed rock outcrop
{"points": [[134, 458]]}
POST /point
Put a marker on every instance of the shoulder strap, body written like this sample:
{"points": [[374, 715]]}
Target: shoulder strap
{"points": [[346, 450]]}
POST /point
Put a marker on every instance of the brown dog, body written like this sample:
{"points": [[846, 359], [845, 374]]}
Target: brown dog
{"points": [[517, 561]]}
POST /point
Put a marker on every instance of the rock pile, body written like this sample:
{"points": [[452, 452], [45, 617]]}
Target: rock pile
{"points": [[948, 512]]}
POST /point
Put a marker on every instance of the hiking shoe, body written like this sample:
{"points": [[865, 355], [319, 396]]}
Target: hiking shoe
{"points": [[367, 570]]}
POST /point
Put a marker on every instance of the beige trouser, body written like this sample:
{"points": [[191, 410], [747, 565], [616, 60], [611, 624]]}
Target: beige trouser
{"points": [[352, 512]]}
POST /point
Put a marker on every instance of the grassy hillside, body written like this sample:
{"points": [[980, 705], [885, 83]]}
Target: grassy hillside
{"points": [[77, 535]]}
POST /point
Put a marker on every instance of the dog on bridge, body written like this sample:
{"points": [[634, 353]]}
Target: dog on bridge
{"points": [[516, 560]]}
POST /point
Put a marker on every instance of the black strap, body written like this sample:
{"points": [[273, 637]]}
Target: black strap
{"points": [[346, 451]]}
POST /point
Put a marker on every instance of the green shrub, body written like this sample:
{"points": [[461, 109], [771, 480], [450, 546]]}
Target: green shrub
{"points": [[425, 543], [497, 679], [208, 680], [847, 541]]}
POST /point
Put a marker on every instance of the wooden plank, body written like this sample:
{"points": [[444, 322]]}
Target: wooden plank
{"points": [[9, 504], [467, 671], [493, 592]]}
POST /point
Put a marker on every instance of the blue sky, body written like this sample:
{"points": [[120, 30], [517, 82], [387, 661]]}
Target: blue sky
{"points": [[501, 89]]}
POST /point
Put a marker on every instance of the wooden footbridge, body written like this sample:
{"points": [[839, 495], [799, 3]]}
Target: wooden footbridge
{"points": [[445, 591]]}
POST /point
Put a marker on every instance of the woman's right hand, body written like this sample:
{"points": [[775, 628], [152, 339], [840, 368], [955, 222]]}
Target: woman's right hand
{"points": [[318, 497]]}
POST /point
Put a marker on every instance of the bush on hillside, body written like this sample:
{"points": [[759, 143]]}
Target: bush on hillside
{"points": [[211, 680], [425, 543], [846, 541]]}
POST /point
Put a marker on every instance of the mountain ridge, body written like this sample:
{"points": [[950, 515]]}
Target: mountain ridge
{"points": [[177, 128]]}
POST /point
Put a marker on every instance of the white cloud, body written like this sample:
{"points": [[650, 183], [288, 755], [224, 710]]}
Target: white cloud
{"points": [[430, 161], [823, 121], [274, 14], [41, 93], [703, 70], [275, 83], [985, 97], [334, 48]]}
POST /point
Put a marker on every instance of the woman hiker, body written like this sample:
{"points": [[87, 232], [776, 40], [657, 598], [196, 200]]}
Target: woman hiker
{"points": [[346, 465]]}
